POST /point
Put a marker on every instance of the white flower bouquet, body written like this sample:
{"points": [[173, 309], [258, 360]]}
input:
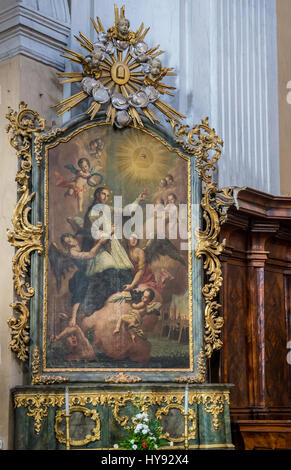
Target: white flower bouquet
{"points": [[145, 434]]}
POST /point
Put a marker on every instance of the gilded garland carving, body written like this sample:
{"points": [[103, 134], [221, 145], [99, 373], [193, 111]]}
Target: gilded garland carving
{"points": [[38, 404], [122, 378], [26, 238]]}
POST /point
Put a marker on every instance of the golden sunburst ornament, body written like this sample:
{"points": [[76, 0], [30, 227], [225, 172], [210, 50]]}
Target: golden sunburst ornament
{"points": [[121, 73]]}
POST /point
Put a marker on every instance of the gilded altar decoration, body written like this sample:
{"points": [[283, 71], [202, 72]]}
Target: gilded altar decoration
{"points": [[37, 405], [26, 237], [203, 143], [214, 404], [112, 303], [121, 74]]}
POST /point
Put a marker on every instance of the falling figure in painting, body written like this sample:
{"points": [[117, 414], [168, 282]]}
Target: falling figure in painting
{"points": [[79, 346]]}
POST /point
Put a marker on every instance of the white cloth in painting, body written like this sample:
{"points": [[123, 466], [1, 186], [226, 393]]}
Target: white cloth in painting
{"points": [[103, 260], [117, 258]]}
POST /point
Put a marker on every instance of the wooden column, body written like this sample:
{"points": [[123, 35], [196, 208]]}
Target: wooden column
{"points": [[257, 255]]}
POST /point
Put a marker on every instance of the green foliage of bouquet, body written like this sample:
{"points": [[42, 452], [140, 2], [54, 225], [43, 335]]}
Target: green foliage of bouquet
{"points": [[145, 434]]}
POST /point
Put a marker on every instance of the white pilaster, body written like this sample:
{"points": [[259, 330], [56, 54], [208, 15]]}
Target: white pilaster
{"points": [[245, 105]]}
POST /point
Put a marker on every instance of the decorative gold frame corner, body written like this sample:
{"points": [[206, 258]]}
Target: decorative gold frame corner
{"points": [[200, 376], [37, 378]]}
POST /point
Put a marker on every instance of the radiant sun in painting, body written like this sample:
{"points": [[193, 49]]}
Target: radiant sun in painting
{"points": [[140, 158]]}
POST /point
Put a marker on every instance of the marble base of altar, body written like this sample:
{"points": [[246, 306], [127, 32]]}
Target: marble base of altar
{"points": [[101, 414]]}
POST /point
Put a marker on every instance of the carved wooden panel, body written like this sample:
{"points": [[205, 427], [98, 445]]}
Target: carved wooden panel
{"points": [[276, 367], [235, 351], [256, 306]]}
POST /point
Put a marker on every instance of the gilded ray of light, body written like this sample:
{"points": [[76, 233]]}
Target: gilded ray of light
{"points": [[140, 159]]}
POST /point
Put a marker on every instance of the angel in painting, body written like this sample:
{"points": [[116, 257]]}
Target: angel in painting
{"points": [[71, 258], [84, 176], [141, 259], [96, 147]]}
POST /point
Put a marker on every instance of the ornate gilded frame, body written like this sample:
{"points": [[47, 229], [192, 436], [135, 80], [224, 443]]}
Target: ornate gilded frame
{"points": [[27, 136]]}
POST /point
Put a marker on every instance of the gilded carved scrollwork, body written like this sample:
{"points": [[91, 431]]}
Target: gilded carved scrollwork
{"points": [[92, 437], [191, 418], [26, 237], [44, 138], [213, 404], [37, 406], [204, 145]]}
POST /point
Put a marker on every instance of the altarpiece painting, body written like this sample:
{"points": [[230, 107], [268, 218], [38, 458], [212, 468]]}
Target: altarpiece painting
{"points": [[116, 269], [93, 279]]}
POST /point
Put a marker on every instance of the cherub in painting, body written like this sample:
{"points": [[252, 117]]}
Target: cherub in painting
{"points": [[133, 318], [96, 147], [81, 180]]}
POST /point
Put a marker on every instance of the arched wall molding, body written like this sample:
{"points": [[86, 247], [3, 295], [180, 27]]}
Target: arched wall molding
{"points": [[37, 30]]}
